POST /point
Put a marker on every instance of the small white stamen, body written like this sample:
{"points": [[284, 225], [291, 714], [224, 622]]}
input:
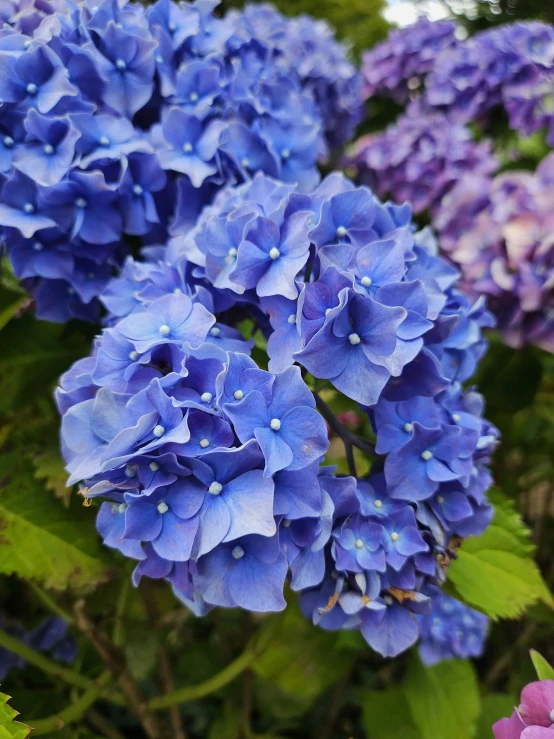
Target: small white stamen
{"points": [[341, 232], [215, 331], [408, 427], [8, 142], [291, 319], [154, 466], [359, 544], [232, 252], [187, 147], [171, 26], [29, 208], [81, 203], [37, 246], [366, 281], [162, 507], [456, 417], [378, 503], [215, 488], [120, 64], [238, 552], [440, 499], [32, 88], [274, 253], [275, 424], [238, 394], [193, 97], [204, 443], [394, 536], [286, 522], [245, 162], [354, 339], [159, 58], [426, 455], [285, 154], [137, 190], [48, 149], [164, 330], [388, 600], [122, 507], [131, 470], [159, 431]]}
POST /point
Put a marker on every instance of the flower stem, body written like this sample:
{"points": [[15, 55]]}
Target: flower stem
{"points": [[73, 712], [50, 603], [50, 667], [227, 675], [348, 438]]}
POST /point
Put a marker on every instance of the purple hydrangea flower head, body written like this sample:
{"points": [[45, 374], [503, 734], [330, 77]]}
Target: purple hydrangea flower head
{"points": [[420, 157], [497, 231], [396, 67], [469, 81]]}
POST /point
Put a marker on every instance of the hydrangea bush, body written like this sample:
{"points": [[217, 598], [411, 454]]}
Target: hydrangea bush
{"points": [[271, 416], [120, 123], [214, 467]]}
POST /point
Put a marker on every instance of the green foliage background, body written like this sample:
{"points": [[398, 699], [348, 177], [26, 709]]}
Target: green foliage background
{"points": [[234, 676]]}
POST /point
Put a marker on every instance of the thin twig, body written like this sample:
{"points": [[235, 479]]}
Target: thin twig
{"points": [[50, 667], [73, 712], [114, 658], [505, 660], [166, 677], [118, 635], [101, 724]]}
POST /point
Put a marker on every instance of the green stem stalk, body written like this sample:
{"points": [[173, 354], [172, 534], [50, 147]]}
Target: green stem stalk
{"points": [[73, 712], [227, 675], [50, 603], [52, 668]]}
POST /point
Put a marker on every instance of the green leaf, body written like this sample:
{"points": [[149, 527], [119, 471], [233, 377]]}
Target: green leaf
{"points": [[544, 669], [493, 707], [509, 378], [9, 727], [443, 699], [49, 468], [39, 539], [386, 714], [34, 354], [495, 572], [301, 660]]}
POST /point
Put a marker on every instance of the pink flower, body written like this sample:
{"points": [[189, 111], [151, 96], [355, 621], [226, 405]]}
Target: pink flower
{"points": [[535, 717], [537, 704]]}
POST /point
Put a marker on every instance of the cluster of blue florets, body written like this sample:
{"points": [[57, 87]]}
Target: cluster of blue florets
{"points": [[212, 469], [119, 123], [451, 630]]}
